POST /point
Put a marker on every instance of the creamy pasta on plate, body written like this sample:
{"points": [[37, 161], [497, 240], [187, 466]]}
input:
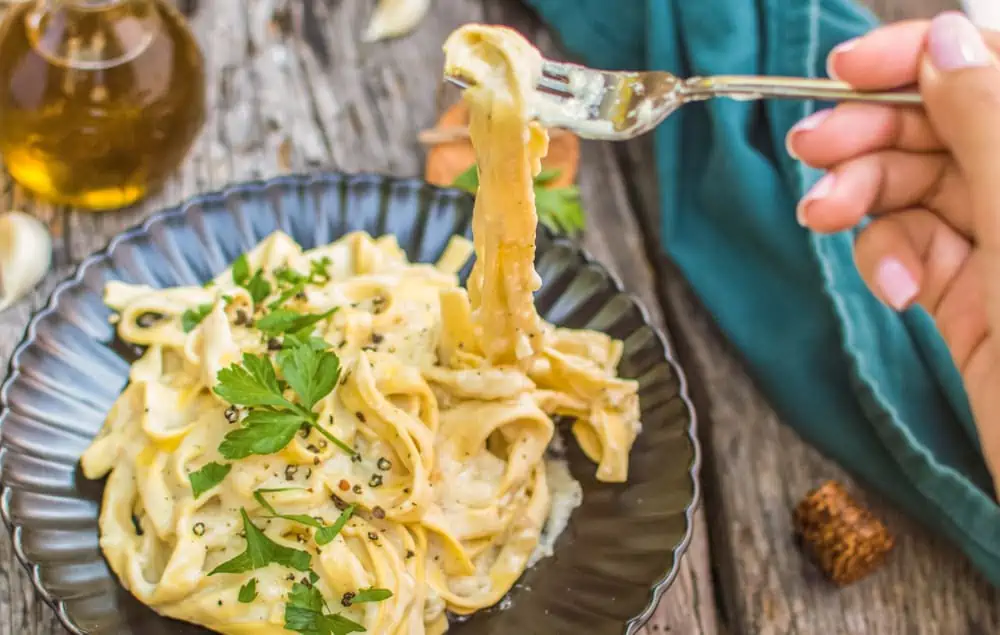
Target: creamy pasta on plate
{"points": [[338, 440]]}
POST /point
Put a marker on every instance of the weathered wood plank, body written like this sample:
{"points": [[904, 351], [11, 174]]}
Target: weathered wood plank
{"points": [[292, 88], [757, 469]]}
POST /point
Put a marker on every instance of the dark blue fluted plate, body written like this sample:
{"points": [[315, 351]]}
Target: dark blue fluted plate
{"points": [[622, 547]]}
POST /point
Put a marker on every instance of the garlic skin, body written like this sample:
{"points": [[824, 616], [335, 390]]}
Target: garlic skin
{"points": [[393, 18], [25, 255]]}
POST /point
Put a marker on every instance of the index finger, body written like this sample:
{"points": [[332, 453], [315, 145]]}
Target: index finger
{"points": [[887, 57]]}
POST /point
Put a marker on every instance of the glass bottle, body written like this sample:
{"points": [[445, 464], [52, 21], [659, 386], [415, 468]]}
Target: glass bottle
{"points": [[100, 100]]}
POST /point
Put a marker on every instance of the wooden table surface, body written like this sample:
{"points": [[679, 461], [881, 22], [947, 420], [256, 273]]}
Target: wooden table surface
{"points": [[291, 89]]}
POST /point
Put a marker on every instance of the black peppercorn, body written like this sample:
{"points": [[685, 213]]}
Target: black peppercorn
{"points": [[290, 472], [232, 414], [148, 319], [378, 513], [384, 464], [347, 599], [375, 481], [274, 344], [356, 489], [198, 529]]}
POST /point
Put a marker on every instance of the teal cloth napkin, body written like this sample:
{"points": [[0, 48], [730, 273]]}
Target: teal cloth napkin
{"points": [[874, 390]]}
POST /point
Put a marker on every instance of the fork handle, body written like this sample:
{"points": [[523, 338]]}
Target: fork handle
{"points": [[754, 87]]}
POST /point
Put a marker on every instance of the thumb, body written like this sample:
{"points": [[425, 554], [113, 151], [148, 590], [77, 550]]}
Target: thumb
{"points": [[960, 84]]}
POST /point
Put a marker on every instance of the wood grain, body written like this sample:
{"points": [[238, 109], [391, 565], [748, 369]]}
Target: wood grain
{"points": [[291, 88]]}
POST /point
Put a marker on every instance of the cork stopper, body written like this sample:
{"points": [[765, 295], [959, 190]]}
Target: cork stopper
{"points": [[844, 539]]}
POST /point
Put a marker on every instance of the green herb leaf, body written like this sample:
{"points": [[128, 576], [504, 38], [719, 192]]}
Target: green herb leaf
{"points": [[559, 208], [208, 477], [285, 321], [258, 287], [264, 431], [287, 295], [241, 270], [287, 276], [319, 270], [262, 551], [248, 592], [304, 613], [468, 180], [326, 534], [193, 317], [311, 373], [254, 383], [297, 518], [371, 595], [546, 176]]}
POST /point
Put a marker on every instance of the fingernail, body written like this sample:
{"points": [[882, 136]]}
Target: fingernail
{"points": [[955, 43], [841, 48], [811, 122], [821, 189], [894, 281]]}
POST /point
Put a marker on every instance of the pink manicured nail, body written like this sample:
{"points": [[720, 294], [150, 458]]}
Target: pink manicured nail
{"points": [[897, 286], [821, 189], [955, 43], [843, 47], [811, 122]]}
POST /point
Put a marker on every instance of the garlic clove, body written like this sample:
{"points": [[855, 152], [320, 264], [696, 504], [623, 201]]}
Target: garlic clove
{"points": [[393, 18], [25, 255]]}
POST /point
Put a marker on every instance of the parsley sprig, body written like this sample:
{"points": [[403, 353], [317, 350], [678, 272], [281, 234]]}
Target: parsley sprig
{"points": [[324, 533], [193, 317], [307, 613], [262, 551], [558, 208], [256, 284], [310, 371], [210, 475]]}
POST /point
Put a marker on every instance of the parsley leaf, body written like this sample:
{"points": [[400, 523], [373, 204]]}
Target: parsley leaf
{"points": [[304, 613], [468, 180], [241, 270], [326, 534], [311, 373], [262, 551], [208, 477], [319, 270], [371, 595], [287, 295], [558, 208], [258, 287], [193, 317], [254, 383], [248, 592], [264, 431], [285, 321]]}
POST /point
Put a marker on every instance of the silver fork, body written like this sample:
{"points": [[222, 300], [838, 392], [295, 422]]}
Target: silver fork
{"points": [[621, 105]]}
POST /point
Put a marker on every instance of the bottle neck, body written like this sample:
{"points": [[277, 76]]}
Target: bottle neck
{"points": [[92, 34]]}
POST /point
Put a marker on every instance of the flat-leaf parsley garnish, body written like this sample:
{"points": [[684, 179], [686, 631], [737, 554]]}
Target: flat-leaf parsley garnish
{"points": [[248, 592], [324, 533], [208, 477], [262, 551], [280, 321], [371, 595], [256, 285], [306, 613], [311, 372], [193, 317]]}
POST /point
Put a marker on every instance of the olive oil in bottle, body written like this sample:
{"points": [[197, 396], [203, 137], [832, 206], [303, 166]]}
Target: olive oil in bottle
{"points": [[100, 100]]}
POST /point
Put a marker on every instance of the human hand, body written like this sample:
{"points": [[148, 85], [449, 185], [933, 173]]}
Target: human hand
{"points": [[929, 180]]}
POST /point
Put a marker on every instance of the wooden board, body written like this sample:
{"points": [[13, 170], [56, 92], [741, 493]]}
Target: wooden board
{"points": [[291, 88]]}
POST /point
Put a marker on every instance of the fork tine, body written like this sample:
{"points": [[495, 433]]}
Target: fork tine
{"points": [[461, 83], [555, 87]]}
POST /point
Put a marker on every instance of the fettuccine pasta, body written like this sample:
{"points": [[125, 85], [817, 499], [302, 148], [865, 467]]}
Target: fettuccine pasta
{"points": [[338, 440]]}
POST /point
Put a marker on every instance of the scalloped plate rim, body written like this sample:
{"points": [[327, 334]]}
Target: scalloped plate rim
{"points": [[145, 226]]}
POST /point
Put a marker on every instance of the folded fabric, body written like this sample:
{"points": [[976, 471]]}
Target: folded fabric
{"points": [[875, 390]]}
